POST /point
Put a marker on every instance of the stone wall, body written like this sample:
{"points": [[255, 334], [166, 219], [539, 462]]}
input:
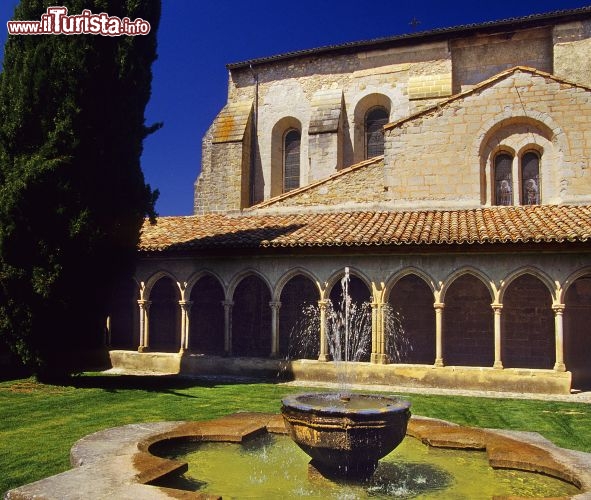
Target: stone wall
{"points": [[444, 157], [476, 59], [327, 95], [361, 185], [224, 182], [572, 51]]}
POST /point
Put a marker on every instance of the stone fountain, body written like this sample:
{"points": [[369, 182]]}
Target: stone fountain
{"points": [[345, 433]]}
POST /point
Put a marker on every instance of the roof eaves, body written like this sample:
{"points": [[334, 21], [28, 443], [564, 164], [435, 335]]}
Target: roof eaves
{"points": [[407, 38]]}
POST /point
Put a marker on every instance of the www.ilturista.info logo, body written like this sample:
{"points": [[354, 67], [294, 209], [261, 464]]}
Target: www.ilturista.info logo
{"points": [[57, 22]]}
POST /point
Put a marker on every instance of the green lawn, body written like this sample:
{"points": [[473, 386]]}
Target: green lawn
{"points": [[39, 423]]}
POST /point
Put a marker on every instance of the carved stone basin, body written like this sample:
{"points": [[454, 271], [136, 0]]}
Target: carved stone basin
{"points": [[346, 435]]}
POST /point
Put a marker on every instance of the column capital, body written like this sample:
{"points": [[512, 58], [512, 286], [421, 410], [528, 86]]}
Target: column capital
{"points": [[497, 307], [323, 303], [275, 304], [186, 303], [558, 308], [227, 303], [144, 304], [438, 305]]}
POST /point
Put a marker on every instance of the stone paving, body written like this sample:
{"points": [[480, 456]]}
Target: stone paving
{"points": [[574, 397]]}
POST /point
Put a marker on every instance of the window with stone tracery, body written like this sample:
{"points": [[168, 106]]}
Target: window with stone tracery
{"points": [[526, 184]]}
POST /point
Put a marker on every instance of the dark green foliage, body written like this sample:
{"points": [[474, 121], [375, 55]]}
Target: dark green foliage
{"points": [[72, 194]]}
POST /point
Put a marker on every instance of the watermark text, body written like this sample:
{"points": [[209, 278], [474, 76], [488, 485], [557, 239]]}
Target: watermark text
{"points": [[56, 21]]}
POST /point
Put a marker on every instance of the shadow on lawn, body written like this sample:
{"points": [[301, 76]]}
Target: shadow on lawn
{"points": [[153, 383]]}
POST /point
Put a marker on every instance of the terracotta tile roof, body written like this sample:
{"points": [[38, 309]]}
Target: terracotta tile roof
{"points": [[527, 224]]}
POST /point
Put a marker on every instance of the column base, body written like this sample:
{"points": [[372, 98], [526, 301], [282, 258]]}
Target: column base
{"points": [[498, 365], [379, 359], [324, 357], [438, 363], [559, 367], [143, 348]]}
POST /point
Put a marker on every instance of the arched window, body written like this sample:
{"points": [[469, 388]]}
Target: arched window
{"points": [[375, 120], [291, 160], [503, 179], [530, 179]]}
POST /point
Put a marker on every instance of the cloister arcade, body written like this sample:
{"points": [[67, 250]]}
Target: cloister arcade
{"points": [[526, 319]]}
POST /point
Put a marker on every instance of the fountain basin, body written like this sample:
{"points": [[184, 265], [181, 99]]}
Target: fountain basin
{"points": [[117, 462], [346, 435]]}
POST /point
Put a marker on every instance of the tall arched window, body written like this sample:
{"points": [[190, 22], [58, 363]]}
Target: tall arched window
{"points": [[375, 120], [291, 160], [503, 179], [530, 178]]}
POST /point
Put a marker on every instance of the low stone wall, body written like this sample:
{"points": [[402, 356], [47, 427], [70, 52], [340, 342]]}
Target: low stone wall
{"points": [[396, 375], [117, 462]]}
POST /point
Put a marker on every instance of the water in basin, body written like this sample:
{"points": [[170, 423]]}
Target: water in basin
{"points": [[272, 466]]}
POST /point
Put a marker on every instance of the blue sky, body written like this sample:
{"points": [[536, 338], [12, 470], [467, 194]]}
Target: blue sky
{"points": [[197, 38]]}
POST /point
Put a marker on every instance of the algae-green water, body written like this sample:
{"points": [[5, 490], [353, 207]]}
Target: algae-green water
{"points": [[272, 466]]}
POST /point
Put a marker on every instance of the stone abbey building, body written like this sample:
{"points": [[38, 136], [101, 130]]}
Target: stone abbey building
{"points": [[449, 170]]}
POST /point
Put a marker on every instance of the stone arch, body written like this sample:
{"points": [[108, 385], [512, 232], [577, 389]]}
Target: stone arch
{"points": [[577, 337], [153, 279], [336, 277], [123, 330], [359, 348], [509, 132], [251, 316], [429, 281], [527, 327], [206, 316], [534, 271], [299, 328], [468, 323], [164, 314], [278, 132], [410, 297], [579, 273], [486, 281], [195, 277], [237, 278], [362, 106], [296, 271]]}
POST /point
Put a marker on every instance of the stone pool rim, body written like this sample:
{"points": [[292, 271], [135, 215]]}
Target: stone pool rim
{"points": [[301, 402], [117, 463]]}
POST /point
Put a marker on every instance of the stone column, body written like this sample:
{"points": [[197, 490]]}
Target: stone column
{"points": [[144, 325], [324, 354], [275, 305], [108, 331], [185, 319], [378, 340], [227, 326], [497, 309], [558, 309], [439, 333], [374, 332]]}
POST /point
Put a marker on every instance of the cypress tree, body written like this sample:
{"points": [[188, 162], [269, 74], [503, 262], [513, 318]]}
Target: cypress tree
{"points": [[72, 193]]}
